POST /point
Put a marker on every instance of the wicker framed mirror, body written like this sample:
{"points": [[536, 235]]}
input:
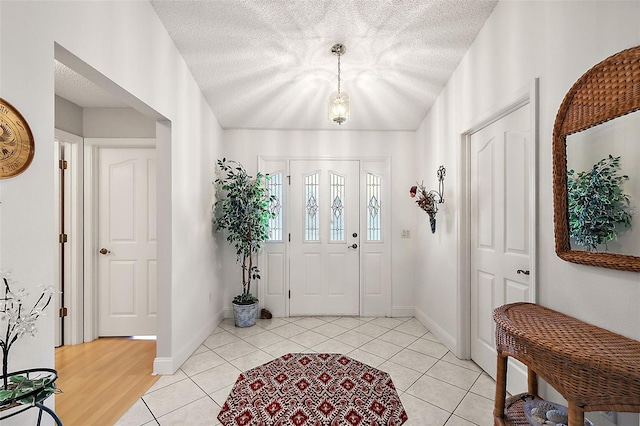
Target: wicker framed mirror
{"points": [[607, 91]]}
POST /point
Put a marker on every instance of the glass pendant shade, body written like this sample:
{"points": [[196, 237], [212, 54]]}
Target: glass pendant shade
{"points": [[338, 107]]}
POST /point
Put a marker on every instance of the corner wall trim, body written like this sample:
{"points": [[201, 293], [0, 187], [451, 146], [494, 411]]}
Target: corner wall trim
{"points": [[169, 365], [163, 366], [445, 338]]}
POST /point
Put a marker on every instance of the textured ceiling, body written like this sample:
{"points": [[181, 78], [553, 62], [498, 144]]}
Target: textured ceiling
{"points": [[268, 64], [77, 89]]}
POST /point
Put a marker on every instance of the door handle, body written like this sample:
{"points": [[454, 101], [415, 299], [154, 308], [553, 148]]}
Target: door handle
{"points": [[104, 251], [523, 272], [353, 246]]}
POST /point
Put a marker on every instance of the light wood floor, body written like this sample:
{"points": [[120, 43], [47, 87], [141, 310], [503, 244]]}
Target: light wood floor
{"points": [[102, 379]]}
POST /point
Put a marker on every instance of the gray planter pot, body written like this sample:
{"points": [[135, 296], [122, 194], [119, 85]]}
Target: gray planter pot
{"points": [[245, 315]]}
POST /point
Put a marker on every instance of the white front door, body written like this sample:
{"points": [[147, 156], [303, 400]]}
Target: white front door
{"points": [[325, 237], [126, 241], [500, 226]]}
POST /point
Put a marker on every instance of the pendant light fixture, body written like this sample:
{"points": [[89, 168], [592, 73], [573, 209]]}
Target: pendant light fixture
{"points": [[338, 101]]}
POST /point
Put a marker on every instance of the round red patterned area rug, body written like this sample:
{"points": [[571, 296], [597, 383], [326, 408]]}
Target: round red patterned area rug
{"points": [[313, 390]]}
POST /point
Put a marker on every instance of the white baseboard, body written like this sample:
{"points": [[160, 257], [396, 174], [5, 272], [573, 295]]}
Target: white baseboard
{"points": [[169, 365], [445, 338], [163, 366], [402, 311]]}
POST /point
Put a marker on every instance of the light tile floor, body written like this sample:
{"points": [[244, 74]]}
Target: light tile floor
{"points": [[435, 387]]}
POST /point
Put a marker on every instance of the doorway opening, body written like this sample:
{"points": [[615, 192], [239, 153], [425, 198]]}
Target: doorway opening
{"points": [[80, 299], [331, 252]]}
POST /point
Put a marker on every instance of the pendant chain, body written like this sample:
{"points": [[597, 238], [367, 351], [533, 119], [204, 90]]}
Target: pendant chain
{"points": [[339, 75]]}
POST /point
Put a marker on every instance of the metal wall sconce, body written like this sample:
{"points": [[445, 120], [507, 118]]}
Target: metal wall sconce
{"points": [[429, 200]]}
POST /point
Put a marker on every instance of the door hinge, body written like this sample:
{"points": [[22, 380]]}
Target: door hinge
{"points": [[289, 236], [289, 177], [289, 294], [62, 164], [63, 312], [62, 238]]}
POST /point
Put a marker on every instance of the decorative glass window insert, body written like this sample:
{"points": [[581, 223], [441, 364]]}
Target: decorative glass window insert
{"points": [[337, 207], [374, 223], [311, 217], [275, 223]]}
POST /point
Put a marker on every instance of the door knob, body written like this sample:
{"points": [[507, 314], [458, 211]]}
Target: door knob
{"points": [[353, 246], [104, 251], [523, 272]]}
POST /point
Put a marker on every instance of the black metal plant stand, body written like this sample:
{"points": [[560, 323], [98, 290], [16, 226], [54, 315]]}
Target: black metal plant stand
{"points": [[44, 378]]}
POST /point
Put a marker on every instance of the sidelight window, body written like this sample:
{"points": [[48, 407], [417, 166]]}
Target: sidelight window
{"points": [[275, 223], [374, 223]]}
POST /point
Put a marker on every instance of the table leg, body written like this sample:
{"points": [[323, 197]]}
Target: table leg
{"points": [[576, 415], [532, 380], [52, 413], [501, 386]]}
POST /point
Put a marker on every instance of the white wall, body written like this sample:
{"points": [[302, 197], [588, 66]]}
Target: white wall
{"points": [[557, 42], [246, 145], [116, 123], [139, 58], [102, 122], [68, 116]]}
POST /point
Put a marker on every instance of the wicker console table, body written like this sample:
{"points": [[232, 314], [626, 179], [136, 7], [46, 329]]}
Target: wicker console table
{"points": [[594, 369]]}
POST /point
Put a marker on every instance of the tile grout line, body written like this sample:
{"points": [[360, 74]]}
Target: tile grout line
{"points": [[465, 395], [148, 408], [206, 395]]}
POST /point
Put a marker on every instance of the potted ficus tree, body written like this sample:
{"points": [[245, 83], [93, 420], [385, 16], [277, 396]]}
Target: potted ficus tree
{"points": [[242, 210]]}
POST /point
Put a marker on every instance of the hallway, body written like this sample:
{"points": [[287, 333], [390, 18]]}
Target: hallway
{"points": [[435, 387]]}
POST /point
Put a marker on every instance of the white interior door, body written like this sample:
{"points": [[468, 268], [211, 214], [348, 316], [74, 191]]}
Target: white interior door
{"points": [[69, 277], [325, 238], [500, 228], [61, 206], [126, 241]]}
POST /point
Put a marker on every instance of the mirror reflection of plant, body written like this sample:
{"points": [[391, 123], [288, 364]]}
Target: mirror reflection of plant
{"points": [[244, 211], [598, 207], [18, 320]]}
